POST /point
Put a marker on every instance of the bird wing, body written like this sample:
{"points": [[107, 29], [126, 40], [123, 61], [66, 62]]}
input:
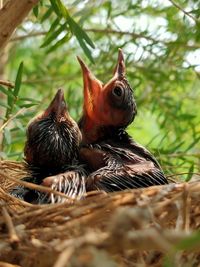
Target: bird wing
{"points": [[71, 183], [121, 177], [123, 169]]}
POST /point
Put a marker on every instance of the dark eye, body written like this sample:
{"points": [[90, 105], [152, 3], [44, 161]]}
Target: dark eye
{"points": [[117, 91]]}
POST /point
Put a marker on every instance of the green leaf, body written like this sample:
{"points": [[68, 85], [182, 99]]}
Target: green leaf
{"points": [[2, 104], [53, 36], [19, 125], [79, 32], [7, 136], [195, 141], [86, 50], [191, 242], [18, 80], [54, 25], [190, 173], [47, 14], [59, 43], [55, 7], [62, 8], [36, 10], [29, 99], [7, 92], [25, 105]]}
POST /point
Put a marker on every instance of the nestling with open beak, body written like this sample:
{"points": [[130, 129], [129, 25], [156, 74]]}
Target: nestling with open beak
{"points": [[51, 151], [116, 162]]}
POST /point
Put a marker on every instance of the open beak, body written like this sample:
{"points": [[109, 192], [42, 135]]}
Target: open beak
{"points": [[57, 106], [92, 86], [120, 69]]}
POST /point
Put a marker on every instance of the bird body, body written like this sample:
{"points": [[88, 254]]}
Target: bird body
{"points": [[115, 160], [52, 139], [51, 154]]}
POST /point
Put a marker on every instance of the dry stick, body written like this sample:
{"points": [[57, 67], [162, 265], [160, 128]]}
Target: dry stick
{"points": [[91, 238], [7, 83], [5, 264], [186, 208], [11, 118], [11, 230], [11, 16], [29, 35], [64, 257], [37, 187], [143, 239]]}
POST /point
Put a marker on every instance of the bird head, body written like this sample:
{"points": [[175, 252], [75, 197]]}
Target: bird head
{"points": [[52, 137], [112, 103]]}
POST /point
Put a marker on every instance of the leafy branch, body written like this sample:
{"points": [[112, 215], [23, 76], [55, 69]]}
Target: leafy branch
{"points": [[115, 32], [184, 11], [69, 27]]}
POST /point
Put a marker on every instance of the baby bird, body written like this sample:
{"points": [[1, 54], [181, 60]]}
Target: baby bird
{"points": [[51, 152], [115, 160]]}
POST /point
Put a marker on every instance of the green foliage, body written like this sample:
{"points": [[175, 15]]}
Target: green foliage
{"points": [[190, 243], [68, 27], [162, 49]]}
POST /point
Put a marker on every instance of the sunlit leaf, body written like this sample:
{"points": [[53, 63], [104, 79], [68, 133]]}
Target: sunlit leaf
{"points": [[47, 14], [55, 7], [59, 43], [61, 8], [53, 35]]}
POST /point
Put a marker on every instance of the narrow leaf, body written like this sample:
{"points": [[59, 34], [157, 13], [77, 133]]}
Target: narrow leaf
{"points": [[62, 8], [36, 11], [7, 136], [47, 14], [193, 144], [59, 43], [55, 7], [7, 92], [2, 104], [29, 99], [79, 32], [25, 105], [53, 36], [190, 173], [85, 49], [18, 80]]}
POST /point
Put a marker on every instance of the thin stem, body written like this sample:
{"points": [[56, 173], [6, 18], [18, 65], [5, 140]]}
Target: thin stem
{"points": [[11, 118], [1, 4], [111, 31], [7, 83], [182, 173], [183, 10]]}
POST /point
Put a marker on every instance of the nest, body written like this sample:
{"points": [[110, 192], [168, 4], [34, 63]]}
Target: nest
{"points": [[144, 227]]}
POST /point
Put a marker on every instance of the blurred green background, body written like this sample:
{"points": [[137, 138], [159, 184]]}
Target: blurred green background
{"points": [[161, 45]]}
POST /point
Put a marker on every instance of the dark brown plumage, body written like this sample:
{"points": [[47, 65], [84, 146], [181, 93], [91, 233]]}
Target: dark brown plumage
{"points": [[51, 151], [116, 162]]}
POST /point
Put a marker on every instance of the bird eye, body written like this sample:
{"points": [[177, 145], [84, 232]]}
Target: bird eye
{"points": [[117, 91]]}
